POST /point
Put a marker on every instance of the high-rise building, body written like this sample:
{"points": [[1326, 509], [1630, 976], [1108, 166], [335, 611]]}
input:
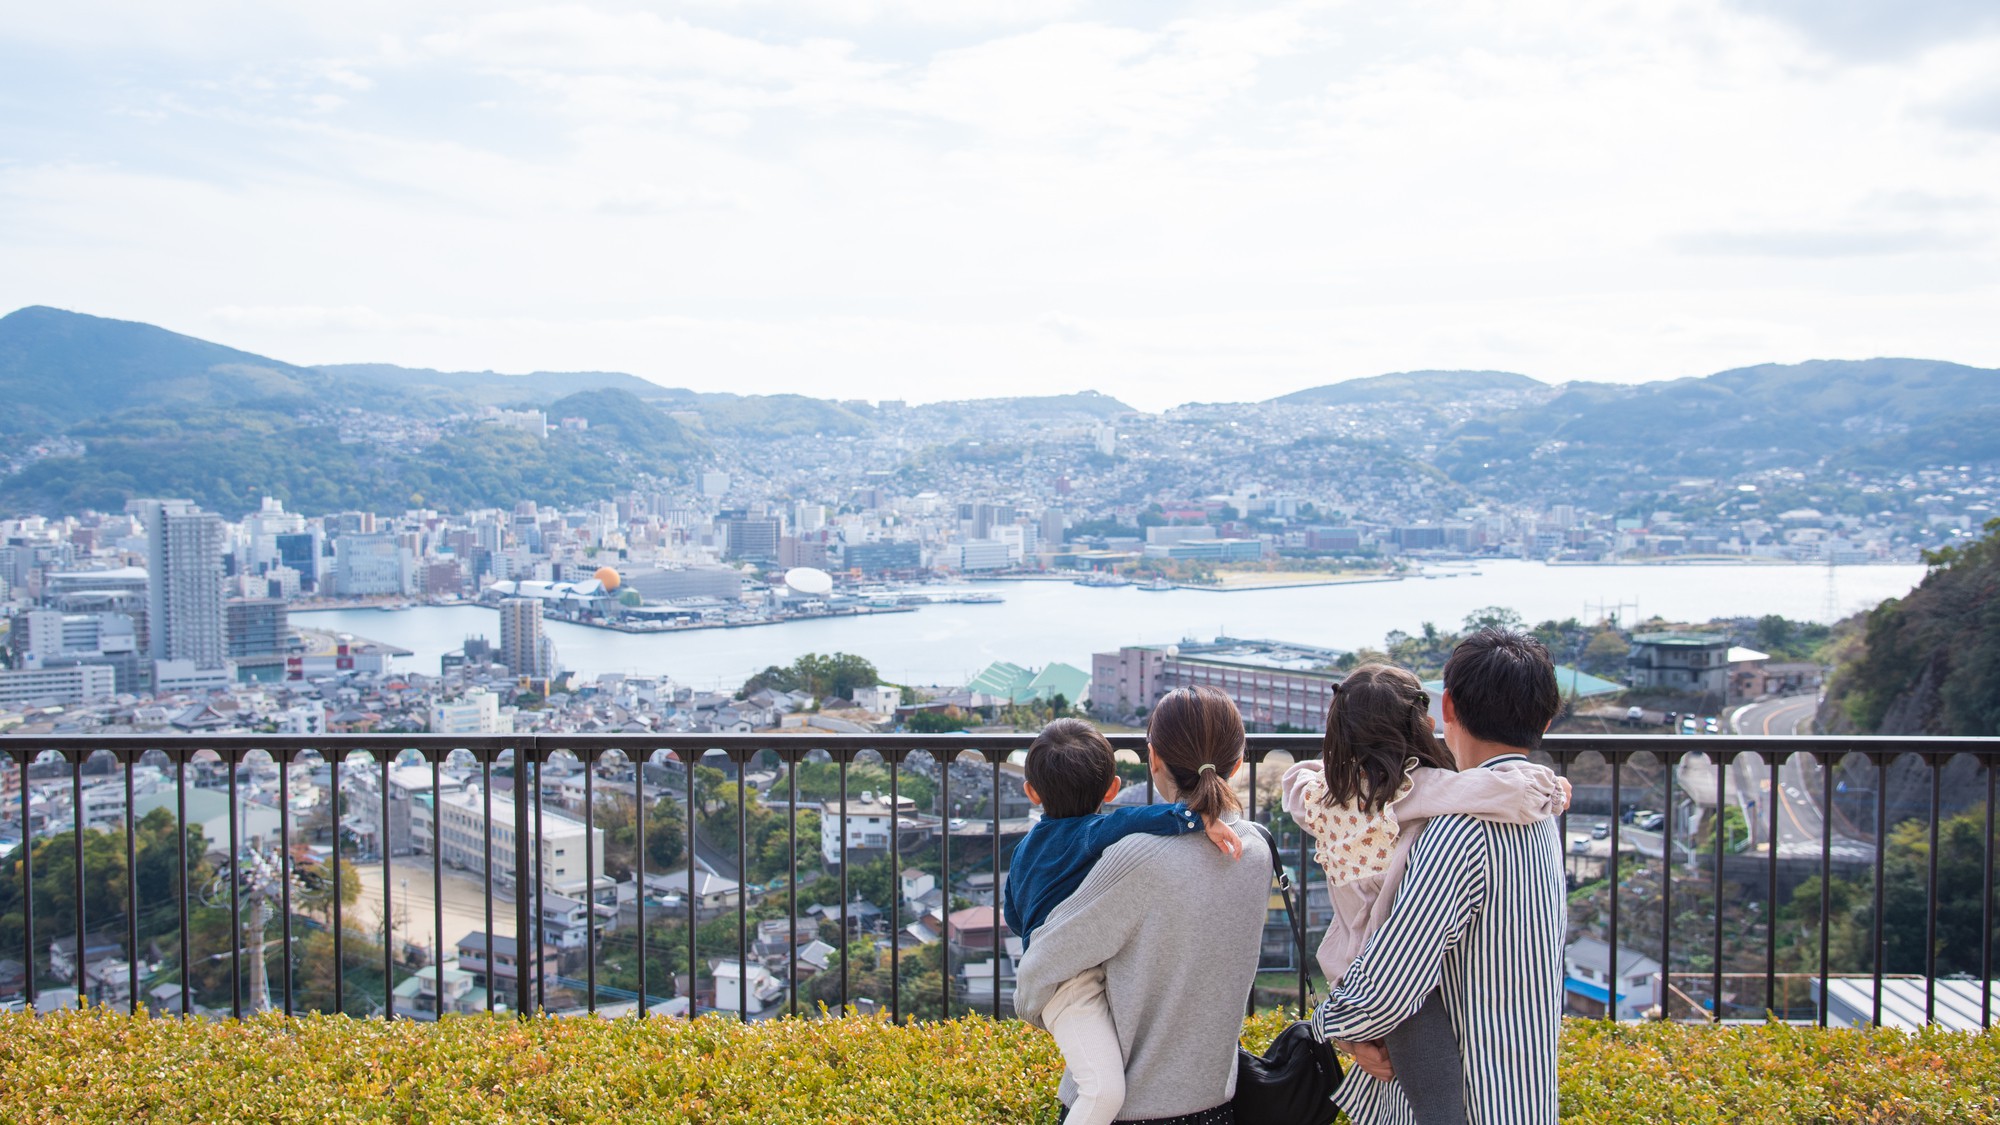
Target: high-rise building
{"points": [[185, 616], [523, 649], [373, 564], [257, 627], [752, 539], [301, 551]]}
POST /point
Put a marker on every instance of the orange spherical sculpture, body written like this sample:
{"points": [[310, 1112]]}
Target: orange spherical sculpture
{"points": [[608, 578]]}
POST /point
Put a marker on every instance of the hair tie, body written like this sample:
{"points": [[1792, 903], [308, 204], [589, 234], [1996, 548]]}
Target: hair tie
{"points": [[1206, 767], [1424, 699]]}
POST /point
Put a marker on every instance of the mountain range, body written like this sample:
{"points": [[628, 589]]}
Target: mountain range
{"points": [[156, 412]]}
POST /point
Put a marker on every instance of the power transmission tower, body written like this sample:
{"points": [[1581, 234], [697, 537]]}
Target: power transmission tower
{"points": [[1611, 612]]}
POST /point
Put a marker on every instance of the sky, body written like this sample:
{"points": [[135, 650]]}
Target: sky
{"points": [[942, 199]]}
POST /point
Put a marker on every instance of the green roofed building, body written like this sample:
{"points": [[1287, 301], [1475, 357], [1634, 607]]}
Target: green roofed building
{"points": [[1574, 685], [1016, 684]]}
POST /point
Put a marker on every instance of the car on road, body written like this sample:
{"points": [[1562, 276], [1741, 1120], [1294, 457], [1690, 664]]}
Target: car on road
{"points": [[1600, 832], [1711, 726], [1635, 715], [1689, 725], [1579, 844], [1650, 821]]}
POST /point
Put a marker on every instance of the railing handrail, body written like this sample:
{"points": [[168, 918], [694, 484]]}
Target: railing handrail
{"points": [[844, 747]]}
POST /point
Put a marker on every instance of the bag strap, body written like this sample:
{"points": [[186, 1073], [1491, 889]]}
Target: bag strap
{"points": [[1283, 879]]}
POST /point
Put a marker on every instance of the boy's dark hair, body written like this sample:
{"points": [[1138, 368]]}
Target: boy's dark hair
{"points": [[1070, 765], [1378, 720], [1503, 687]]}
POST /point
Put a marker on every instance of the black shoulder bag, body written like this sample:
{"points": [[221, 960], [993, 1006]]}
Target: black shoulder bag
{"points": [[1291, 1083]]}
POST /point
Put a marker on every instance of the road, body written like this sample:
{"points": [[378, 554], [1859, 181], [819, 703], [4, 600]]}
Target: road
{"points": [[1800, 783]]}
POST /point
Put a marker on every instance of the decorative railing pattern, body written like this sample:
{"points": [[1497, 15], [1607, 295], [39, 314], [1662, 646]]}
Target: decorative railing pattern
{"points": [[1802, 811]]}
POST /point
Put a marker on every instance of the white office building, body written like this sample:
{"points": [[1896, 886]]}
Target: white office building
{"points": [[462, 833], [475, 712]]}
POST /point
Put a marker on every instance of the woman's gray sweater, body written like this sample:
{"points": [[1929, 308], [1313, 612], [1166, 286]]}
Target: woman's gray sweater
{"points": [[1178, 927]]}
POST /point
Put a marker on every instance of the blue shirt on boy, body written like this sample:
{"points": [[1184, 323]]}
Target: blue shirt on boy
{"points": [[1051, 861]]}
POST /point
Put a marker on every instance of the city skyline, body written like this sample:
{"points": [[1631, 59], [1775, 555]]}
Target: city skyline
{"points": [[885, 202]]}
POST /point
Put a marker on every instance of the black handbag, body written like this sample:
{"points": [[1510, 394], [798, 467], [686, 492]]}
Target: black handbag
{"points": [[1293, 1081]]}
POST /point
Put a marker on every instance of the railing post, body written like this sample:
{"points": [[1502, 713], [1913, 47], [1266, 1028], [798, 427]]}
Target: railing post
{"points": [[689, 758], [1669, 793], [388, 911], [639, 812], [130, 761], [944, 872], [231, 757], [1987, 905], [846, 912], [1937, 763], [76, 842], [180, 866], [742, 889], [1772, 798], [21, 760], [590, 760], [1881, 845], [1617, 817], [1826, 880], [1722, 768], [437, 878], [895, 760], [527, 950]]}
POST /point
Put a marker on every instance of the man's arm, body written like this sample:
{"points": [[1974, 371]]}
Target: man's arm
{"points": [[1443, 889]]}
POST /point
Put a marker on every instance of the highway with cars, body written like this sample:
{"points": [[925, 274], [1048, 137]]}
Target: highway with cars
{"points": [[1801, 821]]}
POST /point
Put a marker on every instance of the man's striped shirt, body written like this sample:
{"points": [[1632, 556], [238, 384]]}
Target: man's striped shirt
{"points": [[1481, 914]]}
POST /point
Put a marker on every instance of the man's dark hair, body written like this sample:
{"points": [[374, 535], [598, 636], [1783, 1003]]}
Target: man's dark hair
{"points": [[1070, 765], [1503, 687]]}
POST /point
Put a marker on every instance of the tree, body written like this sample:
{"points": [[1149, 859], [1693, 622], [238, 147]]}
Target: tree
{"points": [[837, 675], [1905, 875], [935, 722], [666, 836], [315, 882], [1492, 617]]}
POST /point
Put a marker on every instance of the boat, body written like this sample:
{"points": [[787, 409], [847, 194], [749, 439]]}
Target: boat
{"points": [[1104, 580], [1154, 586]]}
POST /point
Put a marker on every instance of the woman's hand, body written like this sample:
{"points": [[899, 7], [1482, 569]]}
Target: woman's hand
{"points": [[1563, 784], [1370, 1057]]}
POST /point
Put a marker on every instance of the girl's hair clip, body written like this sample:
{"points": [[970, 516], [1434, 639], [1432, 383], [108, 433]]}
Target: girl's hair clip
{"points": [[1423, 699]]}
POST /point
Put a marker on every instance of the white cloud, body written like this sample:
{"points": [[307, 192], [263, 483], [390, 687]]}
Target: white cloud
{"points": [[891, 199]]}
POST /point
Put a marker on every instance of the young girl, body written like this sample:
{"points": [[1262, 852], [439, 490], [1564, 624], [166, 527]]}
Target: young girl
{"points": [[1381, 774]]}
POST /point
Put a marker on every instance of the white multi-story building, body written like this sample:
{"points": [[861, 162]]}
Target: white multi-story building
{"points": [[78, 683], [462, 832], [373, 564], [475, 712], [870, 820]]}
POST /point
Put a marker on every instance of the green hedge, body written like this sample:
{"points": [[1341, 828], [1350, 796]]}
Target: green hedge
{"points": [[103, 1067]]}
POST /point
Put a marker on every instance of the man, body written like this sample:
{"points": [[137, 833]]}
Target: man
{"points": [[1480, 915]]}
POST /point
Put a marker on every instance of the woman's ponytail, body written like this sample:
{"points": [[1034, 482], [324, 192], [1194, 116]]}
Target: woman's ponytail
{"points": [[1197, 734]]}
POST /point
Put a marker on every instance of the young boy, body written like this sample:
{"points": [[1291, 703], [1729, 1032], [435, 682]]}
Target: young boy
{"points": [[1070, 773]]}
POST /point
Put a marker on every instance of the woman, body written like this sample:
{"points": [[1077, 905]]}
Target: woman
{"points": [[1176, 925]]}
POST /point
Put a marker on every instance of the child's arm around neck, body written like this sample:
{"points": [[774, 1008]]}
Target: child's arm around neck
{"points": [[1507, 792]]}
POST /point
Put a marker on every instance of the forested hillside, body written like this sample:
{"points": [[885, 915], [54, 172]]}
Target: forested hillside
{"points": [[1928, 663]]}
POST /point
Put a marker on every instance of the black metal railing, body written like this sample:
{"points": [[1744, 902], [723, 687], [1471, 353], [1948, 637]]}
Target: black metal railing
{"points": [[1739, 912]]}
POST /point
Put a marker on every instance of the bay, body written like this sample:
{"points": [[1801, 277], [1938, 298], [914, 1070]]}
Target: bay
{"points": [[1041, 622]]}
